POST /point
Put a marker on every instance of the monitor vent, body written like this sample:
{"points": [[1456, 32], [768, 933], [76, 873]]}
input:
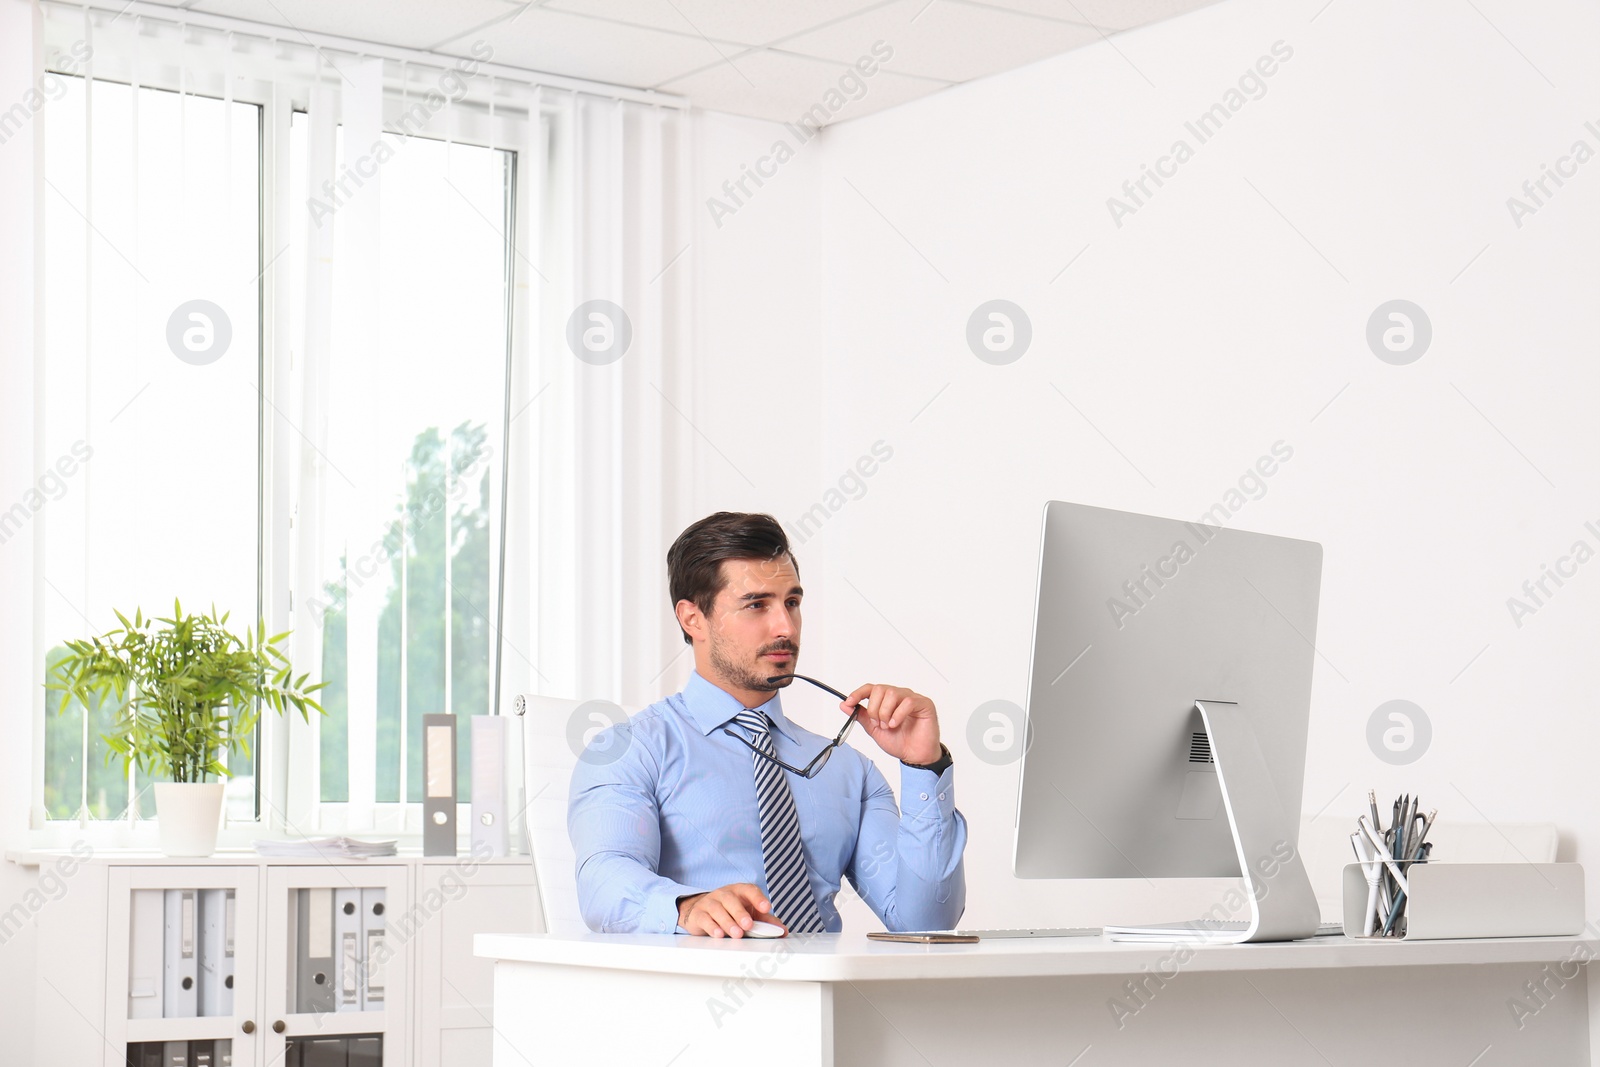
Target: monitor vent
{"points": [[1200, 748]]}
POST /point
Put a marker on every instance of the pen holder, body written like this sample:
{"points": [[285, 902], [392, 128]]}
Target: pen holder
{"points": [[1390, 918], [1459, 900]]}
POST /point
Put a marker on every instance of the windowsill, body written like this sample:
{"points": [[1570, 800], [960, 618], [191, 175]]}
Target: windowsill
{"points": [[143, 838], [407, 852]]}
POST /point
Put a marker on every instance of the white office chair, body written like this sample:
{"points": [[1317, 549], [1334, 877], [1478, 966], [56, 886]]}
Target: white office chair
{"points": [[548, 762]]}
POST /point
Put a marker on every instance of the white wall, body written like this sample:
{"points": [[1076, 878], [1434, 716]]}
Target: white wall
{"points": [[16, 555], [757, 329], [1223, 316]]}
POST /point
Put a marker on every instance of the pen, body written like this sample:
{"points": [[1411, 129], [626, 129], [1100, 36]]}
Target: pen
{"points": [[1427, 824], [1417, 851], [1397, 843], [1374, 875], [1394, 913], [1398, 909], [1393, 831], [1372, 802], [1408, 807], [1384, 854]]}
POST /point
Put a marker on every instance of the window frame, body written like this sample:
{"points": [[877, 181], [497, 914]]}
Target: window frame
{"points": [[287, 750]]}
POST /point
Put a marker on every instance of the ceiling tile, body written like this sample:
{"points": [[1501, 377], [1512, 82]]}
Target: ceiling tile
{"points": [[944, 39], [705, 49], [556, 42], [783, 87], [1106, 14], [408, 23], [724, 20]]}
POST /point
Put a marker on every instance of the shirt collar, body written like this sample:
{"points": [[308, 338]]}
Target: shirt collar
{"points": [[711, 706]]}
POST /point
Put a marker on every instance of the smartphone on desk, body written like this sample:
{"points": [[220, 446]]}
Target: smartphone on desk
{"points": [[923, 939]]}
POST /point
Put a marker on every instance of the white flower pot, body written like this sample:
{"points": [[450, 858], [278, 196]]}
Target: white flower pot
{"points": [[188, 816]]}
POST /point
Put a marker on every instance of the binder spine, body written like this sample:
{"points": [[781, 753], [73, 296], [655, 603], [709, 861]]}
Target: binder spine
{"points": [[314, 974], [180, 993], [216, 952], [347, 948], [489, 824], [439, 785], [374, 948], [230, 914], [147, 956]]}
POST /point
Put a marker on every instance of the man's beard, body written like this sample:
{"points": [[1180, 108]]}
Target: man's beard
{"points": [[752, 676]]}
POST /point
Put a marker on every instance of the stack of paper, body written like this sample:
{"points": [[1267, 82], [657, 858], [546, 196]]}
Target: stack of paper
{"points": [[338, 848]]}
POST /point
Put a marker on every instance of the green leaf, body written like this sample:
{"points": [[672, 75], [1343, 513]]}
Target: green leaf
{"points": [[187, 690]]}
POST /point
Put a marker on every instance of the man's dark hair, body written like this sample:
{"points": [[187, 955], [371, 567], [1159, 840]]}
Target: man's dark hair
{"points": [[694, 562]]}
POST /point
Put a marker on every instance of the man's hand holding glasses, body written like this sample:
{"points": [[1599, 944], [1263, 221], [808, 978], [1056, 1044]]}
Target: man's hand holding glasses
{"points": [[905, 724]]}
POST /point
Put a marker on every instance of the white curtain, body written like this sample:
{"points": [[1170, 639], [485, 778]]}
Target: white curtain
{"points": [[595, 448], [598, 444]]}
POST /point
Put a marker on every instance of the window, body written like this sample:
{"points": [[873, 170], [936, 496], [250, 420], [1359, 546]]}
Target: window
{"points": [[159, 398], [338, 467], [412, 471], [150, 437]]}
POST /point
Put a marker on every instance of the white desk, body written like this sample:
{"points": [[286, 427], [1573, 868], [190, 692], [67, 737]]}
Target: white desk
{"points": [[839, 1000]]}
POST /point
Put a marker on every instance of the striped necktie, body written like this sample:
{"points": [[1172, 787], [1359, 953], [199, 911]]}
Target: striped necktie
{"points": [[788, 886]]}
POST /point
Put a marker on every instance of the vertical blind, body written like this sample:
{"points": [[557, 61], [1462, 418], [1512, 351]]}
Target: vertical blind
{"points": [[459, 482]]}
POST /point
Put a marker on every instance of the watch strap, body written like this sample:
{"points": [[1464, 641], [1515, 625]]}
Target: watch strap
{"points": [[938, 766]]}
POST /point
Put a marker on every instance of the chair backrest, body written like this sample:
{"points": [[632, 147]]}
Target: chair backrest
{"points": [[1325, 849], [548, 761]]}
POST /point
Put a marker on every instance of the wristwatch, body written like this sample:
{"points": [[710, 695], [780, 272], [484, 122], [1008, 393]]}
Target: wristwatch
{"points": [[938, 766]]}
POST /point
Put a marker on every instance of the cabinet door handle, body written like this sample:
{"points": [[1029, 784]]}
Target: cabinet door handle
{"points": [[248, 1026], [278, 1027]]}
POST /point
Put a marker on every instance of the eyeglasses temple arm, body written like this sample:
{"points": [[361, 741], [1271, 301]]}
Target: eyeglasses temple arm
{"points": [[823, 686]]}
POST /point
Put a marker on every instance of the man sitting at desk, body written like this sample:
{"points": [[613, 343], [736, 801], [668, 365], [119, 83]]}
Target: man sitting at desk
{"points": [[690, 822]]}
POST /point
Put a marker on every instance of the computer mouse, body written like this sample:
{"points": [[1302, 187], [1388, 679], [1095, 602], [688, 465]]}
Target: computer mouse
{"points": [[761, 929]]}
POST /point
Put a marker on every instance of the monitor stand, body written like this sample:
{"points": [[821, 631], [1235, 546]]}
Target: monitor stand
{"points": [[1283, 906]]}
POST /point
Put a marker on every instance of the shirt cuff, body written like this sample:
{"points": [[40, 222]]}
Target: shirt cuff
{"points": [[661, 913], [926, 797]]}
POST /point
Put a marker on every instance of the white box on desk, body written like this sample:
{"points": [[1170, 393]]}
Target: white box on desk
{"points": [[1461, 900]]}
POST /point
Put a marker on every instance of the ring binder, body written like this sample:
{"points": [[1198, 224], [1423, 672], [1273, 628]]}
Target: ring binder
{"points": [[374, 950], [314, 946], [439, 782], [180, 997], [146, 956], [347, 921]]}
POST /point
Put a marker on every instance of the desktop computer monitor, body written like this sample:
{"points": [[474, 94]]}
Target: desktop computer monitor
{"points": [[1145, 630]]}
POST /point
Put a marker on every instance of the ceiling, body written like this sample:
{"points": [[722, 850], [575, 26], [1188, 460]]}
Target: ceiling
{"points": [[771, 59]]}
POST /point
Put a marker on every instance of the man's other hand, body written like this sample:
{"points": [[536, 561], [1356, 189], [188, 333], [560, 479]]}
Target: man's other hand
{"points": [[727, 912]]}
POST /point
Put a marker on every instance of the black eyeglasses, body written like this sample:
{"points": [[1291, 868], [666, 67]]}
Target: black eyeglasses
{"points": [[814, 768]]}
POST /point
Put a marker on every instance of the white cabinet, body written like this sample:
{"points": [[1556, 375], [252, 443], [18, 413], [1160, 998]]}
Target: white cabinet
{"points": [[355, 964], [455, 991], [164, 913], [328, 952]]}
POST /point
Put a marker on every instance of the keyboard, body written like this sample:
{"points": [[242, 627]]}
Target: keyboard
{"points": [[1239, 926], [1191, 928], [1060, 931], [1200, 931]]}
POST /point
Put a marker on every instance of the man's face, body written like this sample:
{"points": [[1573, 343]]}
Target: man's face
{"points": [[754, 626]]}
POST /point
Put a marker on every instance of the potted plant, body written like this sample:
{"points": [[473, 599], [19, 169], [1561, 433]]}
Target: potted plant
{"points": [[188, 691]]}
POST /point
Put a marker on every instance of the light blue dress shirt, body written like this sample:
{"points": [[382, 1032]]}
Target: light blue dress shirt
{"points": [[664, 806]]}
